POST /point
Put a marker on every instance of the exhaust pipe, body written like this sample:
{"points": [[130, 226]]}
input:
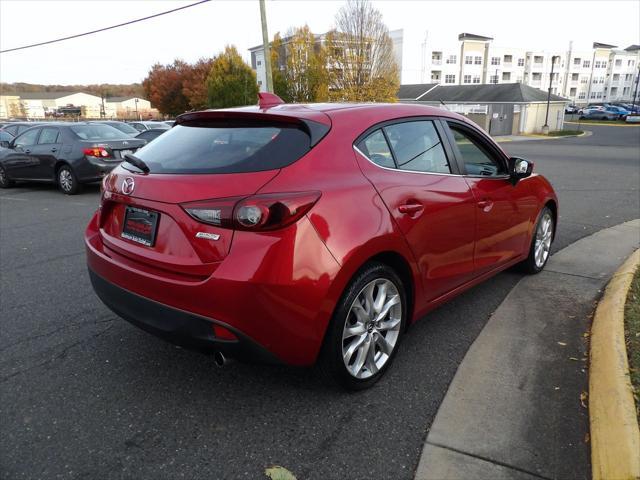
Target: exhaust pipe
{"points": [[220, 359]]}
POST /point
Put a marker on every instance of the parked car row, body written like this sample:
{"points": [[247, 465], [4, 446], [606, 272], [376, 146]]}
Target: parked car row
{"points": [[605, 111], [67, 154]]}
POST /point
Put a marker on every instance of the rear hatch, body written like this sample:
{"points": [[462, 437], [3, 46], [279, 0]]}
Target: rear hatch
{"points": [[177, 219], [104, 141]]}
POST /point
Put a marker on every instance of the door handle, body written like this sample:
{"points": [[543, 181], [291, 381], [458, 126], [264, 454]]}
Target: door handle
{"points": [[409, 208], [27, 151], [485, 204], [54, 149]]}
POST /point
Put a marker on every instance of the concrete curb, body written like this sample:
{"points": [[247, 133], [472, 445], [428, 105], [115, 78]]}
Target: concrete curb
{"points": [[515, 408], [531, 137], [615, 435], [603, 124]]}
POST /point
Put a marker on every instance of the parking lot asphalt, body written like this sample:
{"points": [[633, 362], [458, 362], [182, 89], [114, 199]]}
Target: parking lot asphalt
{"points": [[83, 394]]}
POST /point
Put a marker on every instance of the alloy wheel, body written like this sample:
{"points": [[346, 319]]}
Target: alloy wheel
{"points": [[372, 328], [544, 234], [65, 179]]}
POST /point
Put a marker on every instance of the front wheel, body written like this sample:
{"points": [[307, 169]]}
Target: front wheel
{"points": [[540, 243], [366, 328], [67, 180]]}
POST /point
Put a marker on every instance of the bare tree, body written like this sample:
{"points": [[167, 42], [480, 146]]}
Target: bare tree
{"points": [[361, 62]]}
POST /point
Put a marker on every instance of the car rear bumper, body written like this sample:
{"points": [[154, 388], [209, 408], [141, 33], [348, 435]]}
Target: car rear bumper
{"points": [[92, 169], [270, 291], [177, 326]]}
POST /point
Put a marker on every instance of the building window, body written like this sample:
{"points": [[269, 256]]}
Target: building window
{"points": [[478, 60], [452, 59], [508, 59], [538, 59], [582, 95], [259, 62], [468, 60], [586, 63], [494, 79], [476, 79], [614, 91], [631, 63], [435, 76], [536, 76], [574, 77], [619, 62], [495, 60], [449, 79], [577, 61], [593, 95], [521, 62], [259, 83], [628, 77], [625, 91], [506, 76], [436, 58], [572, 92], [584, 80], [616, 77], [599, 95], [467, 79]]}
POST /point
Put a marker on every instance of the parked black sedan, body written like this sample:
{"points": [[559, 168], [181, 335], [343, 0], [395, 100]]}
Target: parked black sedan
{"points": [[68, 154], [152, 134]]}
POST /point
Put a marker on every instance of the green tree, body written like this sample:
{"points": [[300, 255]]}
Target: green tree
{"points": [[278, 66], [306, 72], [360, 56], [231, 82]]}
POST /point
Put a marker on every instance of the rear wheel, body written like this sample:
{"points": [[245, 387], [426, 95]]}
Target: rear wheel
{"points": [[540, 243], [365, 332], [67, 180], [5, 181]]}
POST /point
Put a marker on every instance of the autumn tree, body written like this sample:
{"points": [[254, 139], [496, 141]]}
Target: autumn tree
{"points": [[360, 56], [194, 83], [305, 72], [164, 88], [278, 65], [231, 82]]}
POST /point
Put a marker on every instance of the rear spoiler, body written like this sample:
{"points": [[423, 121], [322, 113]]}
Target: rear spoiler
{"points": [[316, 129]]}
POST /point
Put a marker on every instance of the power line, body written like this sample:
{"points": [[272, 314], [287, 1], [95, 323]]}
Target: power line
{"points": [[104, 29]]}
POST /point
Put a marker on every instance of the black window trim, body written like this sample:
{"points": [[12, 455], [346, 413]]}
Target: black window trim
{"points": [[441, 130], [484, 142]]}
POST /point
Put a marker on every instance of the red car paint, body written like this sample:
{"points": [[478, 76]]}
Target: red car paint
{"points": [[279, 288]]}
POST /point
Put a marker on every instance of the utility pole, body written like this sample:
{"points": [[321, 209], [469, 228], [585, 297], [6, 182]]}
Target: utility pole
{"points": [[136, 102], [635, 93], [545, 127], [265, 47]]}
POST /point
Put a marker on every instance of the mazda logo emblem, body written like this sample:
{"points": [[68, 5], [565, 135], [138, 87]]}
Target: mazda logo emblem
{"points": [[125, 143], [128, 185]]}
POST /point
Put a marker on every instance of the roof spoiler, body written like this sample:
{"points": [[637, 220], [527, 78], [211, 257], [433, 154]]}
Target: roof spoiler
{"points": [[315, 129]]}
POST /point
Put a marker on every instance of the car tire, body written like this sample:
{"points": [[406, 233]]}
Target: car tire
{"points": [[362, 340], [67, 180], [542, 238], [5, 181]]}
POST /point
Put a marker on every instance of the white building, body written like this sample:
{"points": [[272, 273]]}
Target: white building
{"points": [[42, 104], [602, 73], [129, 107]]}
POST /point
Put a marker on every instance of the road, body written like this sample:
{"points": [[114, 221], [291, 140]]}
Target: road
{"points": [[83, 394]]}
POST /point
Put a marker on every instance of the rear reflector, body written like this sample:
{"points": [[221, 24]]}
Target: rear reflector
{"points": [[223, 333]]}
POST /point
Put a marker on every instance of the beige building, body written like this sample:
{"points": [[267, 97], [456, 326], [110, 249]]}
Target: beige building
{"points": [[502, 109], [10, 107], [130, 107]]}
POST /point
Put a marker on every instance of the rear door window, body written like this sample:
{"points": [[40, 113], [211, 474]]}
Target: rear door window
{"points": [[417, 147], [376, 148], [218, 147], [48, 135]]}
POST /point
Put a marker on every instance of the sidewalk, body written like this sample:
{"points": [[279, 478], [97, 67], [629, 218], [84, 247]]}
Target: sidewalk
{"points": [[514, 409]]}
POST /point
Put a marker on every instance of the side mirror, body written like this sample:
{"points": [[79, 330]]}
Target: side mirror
{"points": [[4, 143], [519, 168]]}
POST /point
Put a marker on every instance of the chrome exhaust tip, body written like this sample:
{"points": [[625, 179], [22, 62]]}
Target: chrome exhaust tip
{"points": [[220, 359]]}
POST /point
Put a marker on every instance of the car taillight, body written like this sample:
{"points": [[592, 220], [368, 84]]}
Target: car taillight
{"points": [[99, 152], [256, 213]]}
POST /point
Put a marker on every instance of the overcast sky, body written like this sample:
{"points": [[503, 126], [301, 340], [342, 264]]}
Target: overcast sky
{"points": [[124, 55]]}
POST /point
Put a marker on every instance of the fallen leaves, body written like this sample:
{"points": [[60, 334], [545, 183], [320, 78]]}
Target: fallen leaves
{"points": [[276, 472]]}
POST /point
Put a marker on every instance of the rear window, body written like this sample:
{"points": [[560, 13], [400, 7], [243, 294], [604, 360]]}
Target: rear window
{"points": [[225, 148], [123, 127], [97, 132]]}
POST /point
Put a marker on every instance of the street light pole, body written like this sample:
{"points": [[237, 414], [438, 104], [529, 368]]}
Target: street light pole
{"points": [[136, 102], [635, 93], [265, 46], [545, 127]]}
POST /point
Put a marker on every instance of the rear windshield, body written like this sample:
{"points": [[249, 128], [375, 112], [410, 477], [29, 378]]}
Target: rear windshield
{"points": [[123, 127], [97, 132], [216, 148]]}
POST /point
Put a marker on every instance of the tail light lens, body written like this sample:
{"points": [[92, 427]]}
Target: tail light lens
{"points": [[99, 152], [256, 213]]}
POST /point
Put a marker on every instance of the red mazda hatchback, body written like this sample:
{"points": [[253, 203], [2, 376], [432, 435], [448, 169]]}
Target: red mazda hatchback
{"points": [[305, 234]]}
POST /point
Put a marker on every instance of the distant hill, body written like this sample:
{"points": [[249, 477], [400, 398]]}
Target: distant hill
{"points": [[110, 90]]}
